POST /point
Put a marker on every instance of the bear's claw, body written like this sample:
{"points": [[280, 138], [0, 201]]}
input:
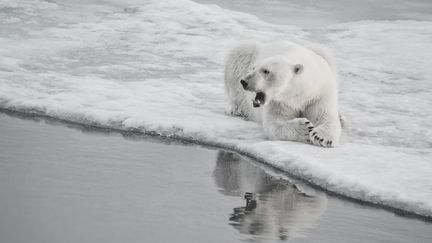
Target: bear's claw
{"points": [[320, 138]]}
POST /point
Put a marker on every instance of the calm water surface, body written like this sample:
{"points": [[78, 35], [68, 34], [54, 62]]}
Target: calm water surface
{"points": [[69, 184], [313, 14]]}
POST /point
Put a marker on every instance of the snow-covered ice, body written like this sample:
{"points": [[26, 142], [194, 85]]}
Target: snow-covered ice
{"points": [[157, 66]]}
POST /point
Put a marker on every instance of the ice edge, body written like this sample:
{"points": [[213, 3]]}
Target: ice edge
{"points": [[358, 196]]}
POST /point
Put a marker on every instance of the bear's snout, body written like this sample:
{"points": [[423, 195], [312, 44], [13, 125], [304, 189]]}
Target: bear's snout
{"points": [[244, 84]]}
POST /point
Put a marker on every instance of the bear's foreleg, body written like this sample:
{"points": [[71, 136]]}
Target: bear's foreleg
{"points": [[296, 129], [327, 132]]}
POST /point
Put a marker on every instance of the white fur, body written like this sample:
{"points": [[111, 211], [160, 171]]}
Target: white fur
{"points": [[301, 88]]}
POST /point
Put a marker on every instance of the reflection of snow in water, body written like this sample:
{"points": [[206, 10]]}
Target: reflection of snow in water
{"points": [[157, 66], [274, 207]]}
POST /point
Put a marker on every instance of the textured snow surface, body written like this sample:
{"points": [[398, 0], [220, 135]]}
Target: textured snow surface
{"points": [[158, 67]]}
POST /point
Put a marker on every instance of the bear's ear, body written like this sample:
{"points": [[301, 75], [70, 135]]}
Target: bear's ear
{"points": [[298, 68]]}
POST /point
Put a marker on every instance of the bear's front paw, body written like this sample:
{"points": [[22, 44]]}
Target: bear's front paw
{"points": [[319, 136], [234, 112], [303, 127]]}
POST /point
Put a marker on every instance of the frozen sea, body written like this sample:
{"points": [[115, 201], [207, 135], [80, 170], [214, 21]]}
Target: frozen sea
{"points": [[67, 183], [156, 67]]}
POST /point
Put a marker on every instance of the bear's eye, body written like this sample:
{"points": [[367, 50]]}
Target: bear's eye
{"points": [[265, 71]]}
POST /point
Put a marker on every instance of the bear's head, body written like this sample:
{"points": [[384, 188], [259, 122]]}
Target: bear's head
{"points": [[272, 78]]}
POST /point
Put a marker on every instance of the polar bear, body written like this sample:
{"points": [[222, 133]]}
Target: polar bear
{"points": [[292, 89]]}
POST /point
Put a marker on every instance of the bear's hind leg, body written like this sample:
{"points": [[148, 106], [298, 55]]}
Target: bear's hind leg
{"points": [[239, 62]]}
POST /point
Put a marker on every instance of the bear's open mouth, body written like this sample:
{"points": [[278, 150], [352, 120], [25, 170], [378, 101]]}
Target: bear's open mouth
{"points": [[259, 99]]}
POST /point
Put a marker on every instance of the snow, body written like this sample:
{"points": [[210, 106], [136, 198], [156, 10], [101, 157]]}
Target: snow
{"points": [[157, 66]]}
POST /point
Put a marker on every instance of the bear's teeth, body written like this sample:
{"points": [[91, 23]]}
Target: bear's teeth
{"points": [[260, 97], [256, 103]]}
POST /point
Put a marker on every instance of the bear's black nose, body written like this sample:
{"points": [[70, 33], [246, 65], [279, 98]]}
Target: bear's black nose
{"points": [[243, 83]]}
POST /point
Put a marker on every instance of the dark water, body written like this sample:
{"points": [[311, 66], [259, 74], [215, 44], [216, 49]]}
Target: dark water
{"points": [[69, 184], [311, 14]]}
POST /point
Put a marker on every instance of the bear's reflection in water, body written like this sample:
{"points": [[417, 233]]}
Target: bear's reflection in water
{"points": [[273, 207]]}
